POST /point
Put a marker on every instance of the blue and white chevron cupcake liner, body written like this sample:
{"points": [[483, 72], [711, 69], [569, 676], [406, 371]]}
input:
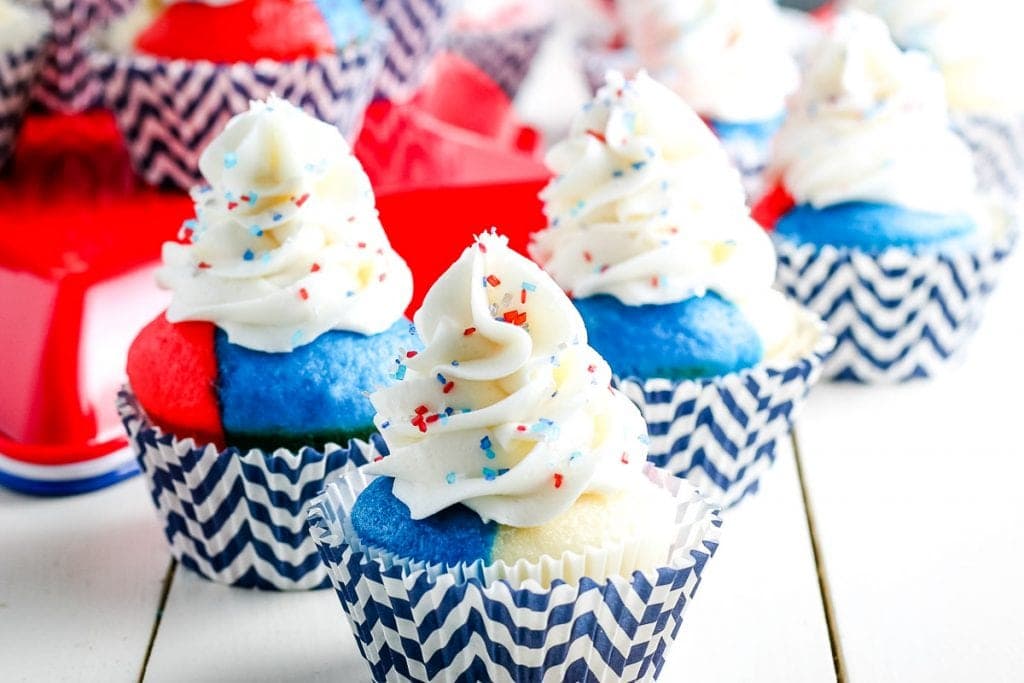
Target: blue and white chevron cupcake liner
{"points": [[18, 70], [504, 54], [898, 315], [238, 518], [720, 432], [997, 144], [418, 29], [169, 110], [67, 82], [415, 622]]}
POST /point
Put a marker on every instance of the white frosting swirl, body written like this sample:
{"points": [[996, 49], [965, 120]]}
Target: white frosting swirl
{"points": [[976, 44], [506, 410], [726, 58], [869, 123], [20, 26], [646, 207], [286, 244]]}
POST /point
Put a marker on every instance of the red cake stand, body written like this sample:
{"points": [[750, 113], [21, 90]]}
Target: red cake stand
{"points": [[82, 237]]}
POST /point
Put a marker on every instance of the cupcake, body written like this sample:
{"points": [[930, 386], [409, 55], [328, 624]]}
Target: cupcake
{"points": [[175, 73], [978, 50], [22, 33], [515, 507], [419, 29], [727, 60], [649, 234], [501, 37], [884, 235], [286, 311]]}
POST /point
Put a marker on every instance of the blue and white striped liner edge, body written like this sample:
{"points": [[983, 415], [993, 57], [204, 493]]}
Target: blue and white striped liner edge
{"points": [[504, 54], [418, 29], [70, 479], [470, 623], [897, 315], [720, 432], [18, 69], [169, 110], [238, 518], [997, 144]]}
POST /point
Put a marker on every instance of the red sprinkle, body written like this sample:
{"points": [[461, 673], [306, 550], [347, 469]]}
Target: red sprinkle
{"points": [[558, 480], [493, 281], [521, 428], [203, 264], [591, 368], [245, 198], [361, 245], [568, 293], [625, 458], [597, 135], [378, 458], [654, 281], [588, 257], [315, 267], [351, 219], [411, 354], [522, 296], [302, 200], [483, 248], [232, 205], [433, 418], [303, 294], [421, 409], [448, 387], [468, 331], [382, 277], [514, 317]]}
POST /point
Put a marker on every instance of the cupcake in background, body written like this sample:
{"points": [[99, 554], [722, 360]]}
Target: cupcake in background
{"points": [[727, 59], [978, 49], [881, 230], [175, 73], [23, 31], [515, 506], [287, 310], [501, 37], [649, 233]]}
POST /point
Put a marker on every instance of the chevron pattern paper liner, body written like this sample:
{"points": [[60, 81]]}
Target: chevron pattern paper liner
{"points": [[895, 316], [504, 54], [168, 110], [998, 148], [68, 82], [750, 157], [235, 518], [17, 71], [467, 623], [719, 433], [419, 29]]}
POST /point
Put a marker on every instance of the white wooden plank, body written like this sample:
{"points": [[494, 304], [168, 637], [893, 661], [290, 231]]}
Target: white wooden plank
{"points": [[80, 582], [758, 615], [915, 492]]}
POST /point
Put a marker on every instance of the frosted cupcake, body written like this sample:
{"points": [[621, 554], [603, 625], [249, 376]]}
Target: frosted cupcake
{"points": [[883, 234], [515, 504], [727, 60], [286, 311], [978, 50], [174, 73], [22, 33], [649, 233]]}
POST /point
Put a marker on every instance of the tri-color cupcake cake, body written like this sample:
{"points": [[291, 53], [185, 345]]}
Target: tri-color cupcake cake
{"points": [[287, 310]]}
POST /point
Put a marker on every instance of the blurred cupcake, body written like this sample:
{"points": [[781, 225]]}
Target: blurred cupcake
{"points": [[287, 311], [978, 49], [175, 73], [883, 235], [727, 59], [649, 233], [501, 37], [419, 29], [515, 507], [22, 34]]}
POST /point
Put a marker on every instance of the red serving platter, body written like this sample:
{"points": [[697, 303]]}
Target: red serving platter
{"points": [[81, 234]]}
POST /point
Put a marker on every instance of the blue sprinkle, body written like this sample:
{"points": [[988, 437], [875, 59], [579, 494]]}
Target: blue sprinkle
{"points": [[664, 184], [191, 224], [277, 217], [455, 363], [255, 231], [266, 257], [485, 443], [529, 287], [412, 330], [450, 478], [502, 471], [385, 424], [650, 152], [618, 173], [349, 293], [248, 255], [449, 411], [637, 165], [230, 160], [296, 337], [441, 379], [400, 372], [489, 474], [253, 198], [574, 455]]}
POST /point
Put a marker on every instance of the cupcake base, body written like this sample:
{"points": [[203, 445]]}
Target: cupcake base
{"points": [[475, 622], [997, 144], [238, 518]]}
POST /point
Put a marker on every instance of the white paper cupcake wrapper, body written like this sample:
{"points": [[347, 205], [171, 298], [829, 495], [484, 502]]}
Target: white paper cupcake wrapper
{"points": [[68, 82], [169, 110], [238, 518], [18, 70], [897, 315], [504, 54], [997, 144], [427, 623], [418, 29], [720, 432]]}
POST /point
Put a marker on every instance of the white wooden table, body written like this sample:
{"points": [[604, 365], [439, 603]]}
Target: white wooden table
{"points": [[886, 547]]}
